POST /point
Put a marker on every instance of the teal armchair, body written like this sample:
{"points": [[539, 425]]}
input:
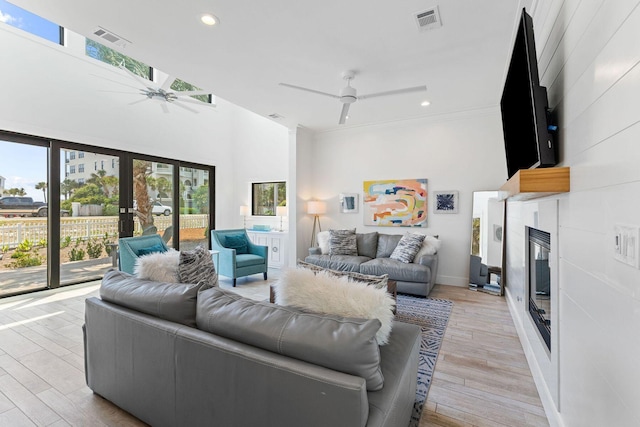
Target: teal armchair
{"points": [[239, 256], [129, 249]]}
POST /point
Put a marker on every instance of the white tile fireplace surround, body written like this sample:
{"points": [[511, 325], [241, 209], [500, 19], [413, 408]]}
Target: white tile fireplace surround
{"points": [[542, 215]]}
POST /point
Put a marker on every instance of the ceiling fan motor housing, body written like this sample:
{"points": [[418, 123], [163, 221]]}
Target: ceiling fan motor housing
{"points": [[348, 95]]}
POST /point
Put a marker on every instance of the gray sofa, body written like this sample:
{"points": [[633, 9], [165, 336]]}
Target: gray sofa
{"points": [[149, 349], [374, 250]]}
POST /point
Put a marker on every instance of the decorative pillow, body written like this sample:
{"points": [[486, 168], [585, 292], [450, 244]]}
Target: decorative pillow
{"points": [[379, 282], [343, 242], [151, 249], [430, 246], [158, 266], [407, 247], [237, 242], [367, 244], [196, 266], [323, 293], [338, 343], [323, 242]]}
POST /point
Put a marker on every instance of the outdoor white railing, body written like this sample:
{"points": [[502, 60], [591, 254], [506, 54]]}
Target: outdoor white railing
{"points": [[13, 232]]}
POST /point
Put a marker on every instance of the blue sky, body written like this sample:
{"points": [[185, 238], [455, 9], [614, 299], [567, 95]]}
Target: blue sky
{"points": [[23, 166], [20, 18]]}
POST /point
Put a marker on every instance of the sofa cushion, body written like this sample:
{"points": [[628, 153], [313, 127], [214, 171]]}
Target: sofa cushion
{"points": [[338, 262], [158, 266], [397, 270], [386, 244], [408, 247], [175, 302], [196, 266], [343, 242], [245, 260], [339, 343], [367, 244], [323, 292]]}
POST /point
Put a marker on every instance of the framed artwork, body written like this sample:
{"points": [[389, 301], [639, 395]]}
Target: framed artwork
{"points": [[395, 202], [445, 202], [349, 202]]}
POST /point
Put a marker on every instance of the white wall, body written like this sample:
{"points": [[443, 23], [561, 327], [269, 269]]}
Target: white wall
{"points": [[588, 59], [57, 92], [462, 152]]}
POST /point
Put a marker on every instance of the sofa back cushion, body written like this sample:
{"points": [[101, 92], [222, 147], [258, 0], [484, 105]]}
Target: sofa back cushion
{"points": [[175, 302], [386, 244], [367, 244], [339, 343]]}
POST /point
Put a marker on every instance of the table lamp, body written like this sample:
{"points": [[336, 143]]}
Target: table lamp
{"points": [[281, 211], [244, 211]]}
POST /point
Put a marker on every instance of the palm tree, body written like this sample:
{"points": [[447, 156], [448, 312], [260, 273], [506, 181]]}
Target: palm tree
{"points": [[67, 186], [141, 171], [42, 186]]}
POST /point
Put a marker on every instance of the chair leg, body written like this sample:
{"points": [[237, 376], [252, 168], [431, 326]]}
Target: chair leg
{"points": [[234, 283], [265, 275]]}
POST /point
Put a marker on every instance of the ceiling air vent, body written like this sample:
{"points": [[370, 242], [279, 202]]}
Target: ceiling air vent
{"points": [[111, 37], [428, 19]]}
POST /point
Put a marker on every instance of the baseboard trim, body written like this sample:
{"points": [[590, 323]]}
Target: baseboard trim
{"points": [[553, 416]]}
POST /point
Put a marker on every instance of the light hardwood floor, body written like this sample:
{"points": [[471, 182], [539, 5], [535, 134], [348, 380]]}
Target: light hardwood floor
{"points": [[481, 377]]}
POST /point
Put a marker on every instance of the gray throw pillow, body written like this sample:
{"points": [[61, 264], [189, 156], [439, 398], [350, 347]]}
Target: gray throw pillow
{"points": [[408, 247], [367, 244], [196, 266], [339, 343], [343, 242]]}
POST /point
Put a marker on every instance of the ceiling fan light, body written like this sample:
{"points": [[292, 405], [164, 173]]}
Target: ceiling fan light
{"points": [[209, 19], [425, 103]]}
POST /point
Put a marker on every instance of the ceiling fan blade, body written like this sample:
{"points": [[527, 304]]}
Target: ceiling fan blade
{"points": [[120, 83], [191, 92], [166, 85], [343, 114], [144, 82], [394, 92], [309, 90], [164, 107], [138, 101], [178, 103]]}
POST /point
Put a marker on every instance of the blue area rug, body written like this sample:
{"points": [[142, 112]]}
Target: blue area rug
{"points": [[431, 315]]}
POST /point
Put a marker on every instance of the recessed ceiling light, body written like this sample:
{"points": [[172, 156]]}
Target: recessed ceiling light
{"points": [[209, 19], [425, 103]]}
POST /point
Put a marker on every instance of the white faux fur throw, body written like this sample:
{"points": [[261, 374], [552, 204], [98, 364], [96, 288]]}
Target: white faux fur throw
{"points": [[430, 246], [159, 266], [326, 294]]}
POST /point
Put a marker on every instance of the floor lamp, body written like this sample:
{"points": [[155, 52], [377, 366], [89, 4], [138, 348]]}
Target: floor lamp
{"points": [[316, 208]]}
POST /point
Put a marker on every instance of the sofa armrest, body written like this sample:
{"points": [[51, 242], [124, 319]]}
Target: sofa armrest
{"points": [[427, 260], [255, 249], [315, 251]]}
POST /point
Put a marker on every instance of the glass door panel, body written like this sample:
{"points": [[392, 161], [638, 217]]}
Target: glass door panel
{"points": [[153, 199], [23, 217], [89, 193], [194, 207]]}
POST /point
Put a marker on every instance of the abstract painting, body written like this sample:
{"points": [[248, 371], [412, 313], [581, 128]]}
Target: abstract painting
{"points": [[446, 202], [396, 203]]}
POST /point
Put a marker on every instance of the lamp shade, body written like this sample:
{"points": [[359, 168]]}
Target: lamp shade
{"points": [[244, 210], [315, 207], [281, 211]]}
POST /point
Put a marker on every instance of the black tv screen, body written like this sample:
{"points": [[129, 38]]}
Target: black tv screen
{"points": [[528, 142]]}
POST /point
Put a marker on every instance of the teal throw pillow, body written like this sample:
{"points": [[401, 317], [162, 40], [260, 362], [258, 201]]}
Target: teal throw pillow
{"points": [[151, 249], [237, 242]]}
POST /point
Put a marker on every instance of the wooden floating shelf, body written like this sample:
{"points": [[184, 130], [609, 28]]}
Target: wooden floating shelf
{"points": [[527, 184]]}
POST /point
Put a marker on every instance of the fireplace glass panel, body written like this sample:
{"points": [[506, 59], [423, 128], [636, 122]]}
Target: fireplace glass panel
{"points": [[540, 282]]}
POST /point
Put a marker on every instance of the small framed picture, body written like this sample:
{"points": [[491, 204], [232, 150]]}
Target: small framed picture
{"points": [[445, 202], [349, 202]]}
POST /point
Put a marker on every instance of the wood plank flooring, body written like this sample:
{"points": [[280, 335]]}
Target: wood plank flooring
{"points": [[481, 377]]}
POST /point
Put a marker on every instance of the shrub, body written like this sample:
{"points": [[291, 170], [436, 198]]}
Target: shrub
{"points": [[27, 260], [94, 248], [76, 254], [64, 243]]}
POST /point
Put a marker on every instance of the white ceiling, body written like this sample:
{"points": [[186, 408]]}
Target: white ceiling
{"points": [[259, 44]]}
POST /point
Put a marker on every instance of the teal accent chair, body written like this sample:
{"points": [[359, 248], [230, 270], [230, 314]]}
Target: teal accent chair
{"points": [[234, 265], [129, 247]]}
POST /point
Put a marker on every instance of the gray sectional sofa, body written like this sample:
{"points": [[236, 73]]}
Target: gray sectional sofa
{"points": [[374, 250], [176, 354]]}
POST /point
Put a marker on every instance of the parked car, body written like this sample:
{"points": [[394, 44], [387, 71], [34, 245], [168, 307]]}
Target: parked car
{"points": [[12, 206], [160, 209]]}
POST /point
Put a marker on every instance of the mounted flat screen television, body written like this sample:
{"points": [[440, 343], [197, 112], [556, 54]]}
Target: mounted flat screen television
{"points": [[528, 141]]}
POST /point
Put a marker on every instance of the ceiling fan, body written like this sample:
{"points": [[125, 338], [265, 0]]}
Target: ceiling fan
{"points": [[348, 94], [164, 93]]}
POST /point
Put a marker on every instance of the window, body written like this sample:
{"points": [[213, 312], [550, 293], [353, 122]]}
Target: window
{"points": [[102, 164], [81, 181], [27, 21], [72, 155], [265, 196], [95, 166], [72, 169], [81, 168], [179, 85], [81, 154], [113, 163], [105, 54]]}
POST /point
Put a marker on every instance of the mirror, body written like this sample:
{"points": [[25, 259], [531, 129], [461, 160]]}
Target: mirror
{"points": [[487, 227]]}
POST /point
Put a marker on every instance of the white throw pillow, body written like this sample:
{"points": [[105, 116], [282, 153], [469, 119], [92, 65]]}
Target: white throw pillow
{"points": [[321, 293], [158, 266], [430, 245], [324, 237]]}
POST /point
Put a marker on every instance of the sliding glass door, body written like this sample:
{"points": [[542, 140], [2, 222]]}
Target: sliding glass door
{"points": [[195, 205]]}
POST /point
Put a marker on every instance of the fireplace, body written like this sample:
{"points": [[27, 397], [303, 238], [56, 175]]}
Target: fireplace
{"points": [[540, 282]]}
